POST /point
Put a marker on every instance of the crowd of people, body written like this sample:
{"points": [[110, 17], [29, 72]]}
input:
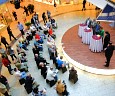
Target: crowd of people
{"points": [[108, 48], [38, 34]]}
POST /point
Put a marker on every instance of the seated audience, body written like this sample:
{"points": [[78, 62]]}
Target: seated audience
{"points": [[29, 83], [43, 70], [73, 75], [51, 77], [19, 74]]}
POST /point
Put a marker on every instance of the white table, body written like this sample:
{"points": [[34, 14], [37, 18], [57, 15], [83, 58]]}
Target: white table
{"points": [[96, 44], [81, 29], [87, 34]]}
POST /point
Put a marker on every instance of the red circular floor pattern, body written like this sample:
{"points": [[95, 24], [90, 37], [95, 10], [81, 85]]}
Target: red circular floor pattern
{"points": [[80, 52]]}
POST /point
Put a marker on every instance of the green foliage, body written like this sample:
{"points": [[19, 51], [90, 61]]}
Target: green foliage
{"points": [[27, 23]]}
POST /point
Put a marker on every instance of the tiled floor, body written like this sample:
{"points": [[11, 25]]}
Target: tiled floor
{"points": [[87, 85]]}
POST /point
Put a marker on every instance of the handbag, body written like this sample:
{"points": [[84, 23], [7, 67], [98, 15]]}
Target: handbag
{"points": [[64, 69], [22, 81]]}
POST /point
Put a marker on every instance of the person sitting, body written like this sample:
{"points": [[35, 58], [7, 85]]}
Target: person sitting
{"points": [[73, 75], [38, 45], [37, 92], [22, 66], [20, 50], [51, 77], [38, 26], [19, 74], [50, 41], [53, 22], [36, 50], [29, 83], [60, 62], [97, 28], [29, 36], [88, 22], [39, 59], [60, 87], [50, 32], [101, 33], [43, 70], [45, 29], [22, 58], [22, 45], [33, 29]]}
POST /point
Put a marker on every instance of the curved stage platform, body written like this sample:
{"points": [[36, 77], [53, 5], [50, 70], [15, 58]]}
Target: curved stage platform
{"points": [[79, 54]]}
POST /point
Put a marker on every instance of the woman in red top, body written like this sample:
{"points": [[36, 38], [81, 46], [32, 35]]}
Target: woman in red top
{"points": [[37, 37], [50, 31], [6, 63]]}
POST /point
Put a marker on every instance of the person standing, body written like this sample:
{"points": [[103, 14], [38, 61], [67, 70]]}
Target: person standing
{"points": [[3, 90], [21, 28], [11, 52], [44, 17], [4, 81], [3, 40], [10, 33], [26, 11], [108, 53], [84, 2], [15, 15], [48, 14], [6, 63], [106, 39]]}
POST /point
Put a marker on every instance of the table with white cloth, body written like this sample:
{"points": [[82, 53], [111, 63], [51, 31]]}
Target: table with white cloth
{"points": [[87, 34], [96, 44], [81, 29]]}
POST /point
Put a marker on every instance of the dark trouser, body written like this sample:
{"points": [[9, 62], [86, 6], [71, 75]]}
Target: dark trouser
{"points": [[22, 32], [6, 44], [16, 18], [83, 7], [45, 21], [108, 60], [12, 56], [9, 68], [11, 35], [6, 94]]}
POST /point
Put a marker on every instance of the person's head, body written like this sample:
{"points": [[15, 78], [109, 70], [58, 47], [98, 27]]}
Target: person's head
{"points": [[15, 69], [36, 55], [9, 47], [51, 68], [59, 81], [72, 68], [18, 22], [3, 56], [61, 57], [110, 43], [101, 28], [106, 32], [98, 22]]}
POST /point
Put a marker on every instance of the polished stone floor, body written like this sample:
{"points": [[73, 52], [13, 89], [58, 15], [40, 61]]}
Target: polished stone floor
{"points": [[87, 85]]}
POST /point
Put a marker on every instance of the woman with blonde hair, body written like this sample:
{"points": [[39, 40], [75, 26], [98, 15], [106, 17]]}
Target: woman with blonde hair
{"points": [[60, 87]]}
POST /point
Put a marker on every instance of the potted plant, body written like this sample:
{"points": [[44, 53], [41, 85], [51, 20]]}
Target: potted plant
{"points": [[28, 25]]}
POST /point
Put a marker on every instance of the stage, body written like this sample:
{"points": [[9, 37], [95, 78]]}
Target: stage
{"points": [[79, 54]]}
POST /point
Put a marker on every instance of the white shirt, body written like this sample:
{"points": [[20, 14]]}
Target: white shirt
{"points": [[50, 75]]}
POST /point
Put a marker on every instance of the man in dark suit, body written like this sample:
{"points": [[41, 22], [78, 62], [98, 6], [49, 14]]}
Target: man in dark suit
{"points": [[106, 39], [108, 53]]}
